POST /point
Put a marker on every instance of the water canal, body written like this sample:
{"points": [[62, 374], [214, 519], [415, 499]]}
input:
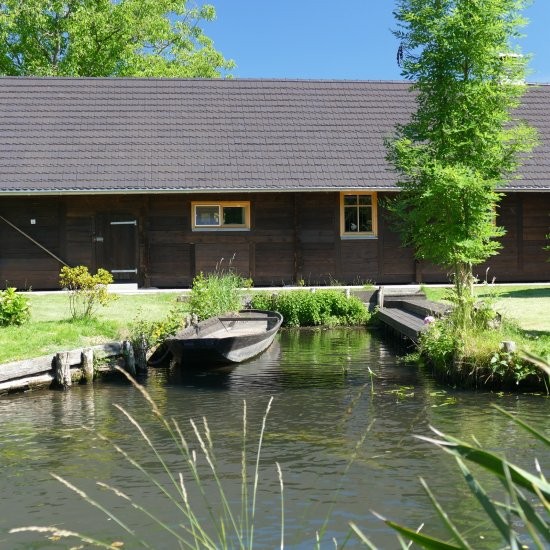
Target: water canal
{"points": [[325, 401]]}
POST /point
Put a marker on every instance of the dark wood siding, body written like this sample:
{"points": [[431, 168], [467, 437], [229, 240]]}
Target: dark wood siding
{"points": [[293, 238], [526, 218], [24, 264]]}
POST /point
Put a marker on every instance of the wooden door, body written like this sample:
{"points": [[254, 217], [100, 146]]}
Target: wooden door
{"points": [[120, 248]]}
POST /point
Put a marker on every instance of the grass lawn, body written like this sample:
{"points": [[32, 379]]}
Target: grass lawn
{"points": [[529, 306], [51, 328]]}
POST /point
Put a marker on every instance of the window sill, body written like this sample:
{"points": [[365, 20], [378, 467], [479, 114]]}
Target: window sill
{"points": [[219, 229], [358, 237]]}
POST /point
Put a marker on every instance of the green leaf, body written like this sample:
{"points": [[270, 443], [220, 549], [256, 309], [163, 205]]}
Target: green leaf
{"points": [[539, 435], [430, 543], [490, 462], [499, 521], [445, 518], [362, 537]]}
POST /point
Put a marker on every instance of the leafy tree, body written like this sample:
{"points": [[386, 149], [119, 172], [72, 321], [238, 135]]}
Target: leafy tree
{"points": [[462, 142], [144, 38]]}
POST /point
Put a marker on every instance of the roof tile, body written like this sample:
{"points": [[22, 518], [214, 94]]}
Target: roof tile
{"points": [[85, 134]]}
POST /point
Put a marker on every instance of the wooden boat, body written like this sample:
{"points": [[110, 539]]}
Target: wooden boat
{"points": [[229, 338]]}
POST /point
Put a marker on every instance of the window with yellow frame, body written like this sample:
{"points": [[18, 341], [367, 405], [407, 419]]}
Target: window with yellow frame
{"points": [[220, 215], [358, 214]]}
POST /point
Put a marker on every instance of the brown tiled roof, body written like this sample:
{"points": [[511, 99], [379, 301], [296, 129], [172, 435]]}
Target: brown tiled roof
{"points": [[62, 135]]}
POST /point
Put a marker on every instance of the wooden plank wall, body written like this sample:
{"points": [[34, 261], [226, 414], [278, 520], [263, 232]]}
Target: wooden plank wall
{"points": [[22, 263], [526, 218], [293, 238]]}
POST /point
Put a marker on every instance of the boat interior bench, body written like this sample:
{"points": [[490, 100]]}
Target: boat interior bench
{"points": [[246, 319]]}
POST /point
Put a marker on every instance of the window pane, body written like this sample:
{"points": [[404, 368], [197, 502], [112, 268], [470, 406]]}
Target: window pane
{"points": [[365, 199], [233, 215], [365, 219], [350, 199], [351, 224], [207, 215]]}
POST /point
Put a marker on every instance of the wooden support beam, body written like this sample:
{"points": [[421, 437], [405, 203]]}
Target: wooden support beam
{"points": [[88, 364], [62, 370], [129, 357]]}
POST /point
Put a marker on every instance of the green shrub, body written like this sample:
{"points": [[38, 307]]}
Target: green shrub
{"points": [[86, 291], [153, 333], [14, 308], [468, 351], [305, 308], [216, 293]]}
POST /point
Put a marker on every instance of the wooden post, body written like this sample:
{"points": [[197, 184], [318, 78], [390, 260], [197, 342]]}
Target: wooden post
{"points": [[88, 364], [62, 370], [380, 300], [141, 357], [128, 353]]}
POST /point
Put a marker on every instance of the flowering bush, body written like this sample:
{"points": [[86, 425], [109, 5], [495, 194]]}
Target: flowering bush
{"points": [[86, 291]]}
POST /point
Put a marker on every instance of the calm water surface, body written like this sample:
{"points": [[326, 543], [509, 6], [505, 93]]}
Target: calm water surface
{"points": [[331, 390]]}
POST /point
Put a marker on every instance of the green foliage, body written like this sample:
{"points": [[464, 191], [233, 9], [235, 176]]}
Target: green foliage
{"points": [[216, 293], [153, 333], [305, 308], [465, 347], [529, 510], [14, 308], [461, 143], [86, 291], [447, 213], [145, 38]]}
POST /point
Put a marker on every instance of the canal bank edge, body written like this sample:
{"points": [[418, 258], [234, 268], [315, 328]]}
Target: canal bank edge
{"points": [[62, 369]]}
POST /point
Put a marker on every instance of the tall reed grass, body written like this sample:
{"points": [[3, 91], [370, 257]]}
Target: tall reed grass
{"points": [[216, 293], [521, 519], [224, 524]]}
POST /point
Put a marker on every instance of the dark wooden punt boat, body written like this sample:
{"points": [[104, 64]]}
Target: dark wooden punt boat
{"points": [[229, 338]]}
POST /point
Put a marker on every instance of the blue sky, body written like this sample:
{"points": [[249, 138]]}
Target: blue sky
{"points": [[334, 40]]}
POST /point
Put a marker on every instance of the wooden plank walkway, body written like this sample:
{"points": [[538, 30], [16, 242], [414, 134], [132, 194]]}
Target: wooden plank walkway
{"points": [[406, 314], [404, 322]]}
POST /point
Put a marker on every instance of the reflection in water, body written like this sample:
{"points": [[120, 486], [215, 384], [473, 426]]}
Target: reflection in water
{"points": [[330, 389]]}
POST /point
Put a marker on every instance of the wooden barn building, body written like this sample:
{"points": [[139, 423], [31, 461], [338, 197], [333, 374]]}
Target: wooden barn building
{"points": [[284, 180]]}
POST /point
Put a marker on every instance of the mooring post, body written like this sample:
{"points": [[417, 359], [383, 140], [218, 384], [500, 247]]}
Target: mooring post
{"points": [[380, 297], [62, 370], [128, 353], [141, 357], [88, 364]]}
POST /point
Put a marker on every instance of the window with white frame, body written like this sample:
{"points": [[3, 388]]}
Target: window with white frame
{"points": [[358, 214], [220, 215]]}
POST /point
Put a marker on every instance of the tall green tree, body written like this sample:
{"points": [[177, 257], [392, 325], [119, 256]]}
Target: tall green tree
{"points": [[463, 141], [107, 38]]}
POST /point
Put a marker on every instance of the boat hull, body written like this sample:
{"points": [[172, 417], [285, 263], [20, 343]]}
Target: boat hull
{"points": [[226, 339]]}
